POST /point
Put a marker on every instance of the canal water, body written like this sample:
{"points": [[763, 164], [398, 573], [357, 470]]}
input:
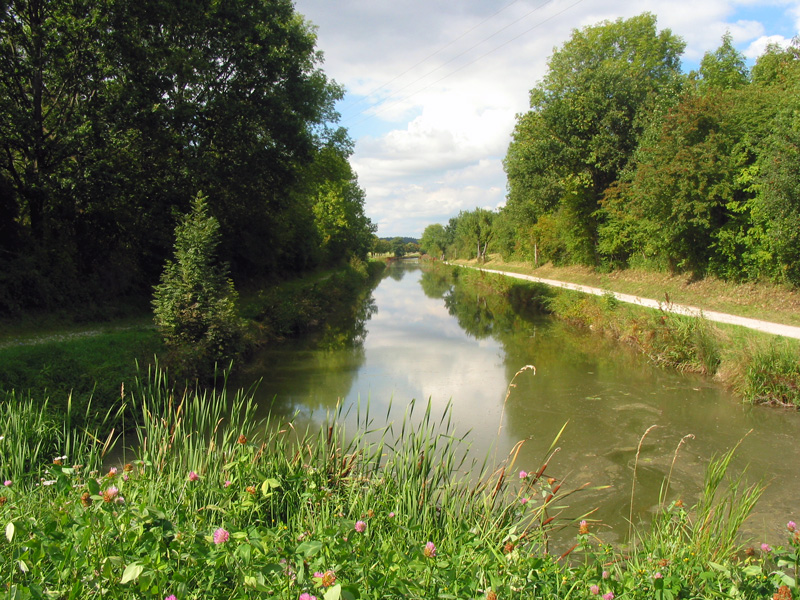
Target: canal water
{"points": [[419, 337]]}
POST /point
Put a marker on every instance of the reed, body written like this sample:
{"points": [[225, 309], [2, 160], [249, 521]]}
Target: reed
{"points": [[207, 500]]}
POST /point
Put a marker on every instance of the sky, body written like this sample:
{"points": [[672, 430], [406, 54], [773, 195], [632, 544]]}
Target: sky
{"points": [[433, 87]]}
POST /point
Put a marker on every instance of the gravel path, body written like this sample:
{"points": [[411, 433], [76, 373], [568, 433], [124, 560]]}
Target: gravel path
{"points": [[765, 326]]}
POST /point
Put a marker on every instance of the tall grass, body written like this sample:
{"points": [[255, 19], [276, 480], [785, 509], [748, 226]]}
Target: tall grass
{"points": [[211, 503], [31, 439], [773, 375]]}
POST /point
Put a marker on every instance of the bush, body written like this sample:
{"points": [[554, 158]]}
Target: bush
{"points": [[195, 303]]}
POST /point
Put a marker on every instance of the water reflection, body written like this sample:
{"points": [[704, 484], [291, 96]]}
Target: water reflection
{"points": [[419, 337]]}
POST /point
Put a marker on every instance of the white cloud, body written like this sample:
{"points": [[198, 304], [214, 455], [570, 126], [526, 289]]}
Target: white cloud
{"points": [[757, 47], [445, 80]]}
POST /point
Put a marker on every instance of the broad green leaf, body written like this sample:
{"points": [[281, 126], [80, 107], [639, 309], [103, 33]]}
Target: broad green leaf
{"points": [[309, 549], [269, 485], [94, 487], [334, 593], [132, 572]]}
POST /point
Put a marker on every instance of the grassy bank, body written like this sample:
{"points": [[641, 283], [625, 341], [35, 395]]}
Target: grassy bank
{"points": [[760, 367], [214, 505], [88, 363], [765, 301]]}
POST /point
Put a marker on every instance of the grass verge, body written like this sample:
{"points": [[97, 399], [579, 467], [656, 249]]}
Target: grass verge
{"points": [[764, 301], [761, 368], [87, 367]]}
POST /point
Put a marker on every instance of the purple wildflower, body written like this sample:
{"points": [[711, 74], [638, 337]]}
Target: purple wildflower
{"points": [[361, 527], [193, 476], [766, 548], [221, 536], [523, 474], [608, 596], [171, 597], [429, 550], [791, 526], [594, 589], [7, 483]]}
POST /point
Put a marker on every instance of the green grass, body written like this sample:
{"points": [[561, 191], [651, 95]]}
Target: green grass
{"points": [[765, 301], [89, 363], [88, 369], [762, 368], [209, 503]]}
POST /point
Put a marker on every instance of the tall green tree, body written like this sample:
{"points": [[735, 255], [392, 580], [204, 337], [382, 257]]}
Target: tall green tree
{"points": [[776, 174], [683, 206], [725, 68], [434, 240], [474, 231], [587, 116], [195, 303], [114, 111]]}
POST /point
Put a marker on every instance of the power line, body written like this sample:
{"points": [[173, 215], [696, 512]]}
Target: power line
{"points": [[431, 55], [461, 68], [348, 118]]}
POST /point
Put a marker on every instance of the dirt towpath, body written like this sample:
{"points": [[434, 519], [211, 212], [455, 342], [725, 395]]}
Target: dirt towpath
{"points": [[683, 309]]}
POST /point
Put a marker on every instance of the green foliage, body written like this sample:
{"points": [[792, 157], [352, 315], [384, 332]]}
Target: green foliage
{"points": [[773, 376], [586, 119], [215, 504], [724, 69], [398, 247], [195, 303], [619, 162], [682, 196], [114, 111]]}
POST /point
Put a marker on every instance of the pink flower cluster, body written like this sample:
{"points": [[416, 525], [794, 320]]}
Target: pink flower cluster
{"points": [[221, 536], [429, 550]]}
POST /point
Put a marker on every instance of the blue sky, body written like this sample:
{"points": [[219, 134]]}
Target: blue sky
{"points": [[433, 86]]}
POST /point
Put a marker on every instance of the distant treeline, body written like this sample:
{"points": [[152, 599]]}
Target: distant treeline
{"points": [[623, 160], [116, 113]]}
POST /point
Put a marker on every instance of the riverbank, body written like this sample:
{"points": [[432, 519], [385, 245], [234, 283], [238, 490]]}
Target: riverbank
{"points": [[258, 509], [764, 301], [761, 368], [87, 362]]}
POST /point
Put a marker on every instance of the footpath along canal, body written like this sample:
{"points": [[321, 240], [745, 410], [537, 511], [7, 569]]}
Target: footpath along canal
{"points": [[682, 309], [422, 337]]}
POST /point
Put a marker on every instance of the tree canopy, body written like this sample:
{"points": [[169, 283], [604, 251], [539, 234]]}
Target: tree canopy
{"points": [[115, 113], [624, 160]]}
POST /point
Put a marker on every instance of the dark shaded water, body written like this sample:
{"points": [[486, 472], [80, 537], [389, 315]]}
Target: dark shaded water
{"points": [[419, 338]]}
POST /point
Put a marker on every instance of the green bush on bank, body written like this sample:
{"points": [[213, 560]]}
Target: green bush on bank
{"points": [[214, 505], [194, 305], [773, 375]]}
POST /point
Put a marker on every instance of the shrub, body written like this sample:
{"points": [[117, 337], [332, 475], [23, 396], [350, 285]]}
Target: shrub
{"points": [[195, 303]]}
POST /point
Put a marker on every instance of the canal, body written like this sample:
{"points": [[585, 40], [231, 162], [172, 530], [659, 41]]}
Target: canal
{"points": [[421, 337]]}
